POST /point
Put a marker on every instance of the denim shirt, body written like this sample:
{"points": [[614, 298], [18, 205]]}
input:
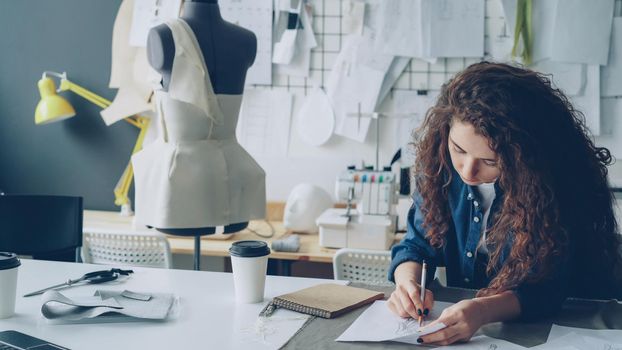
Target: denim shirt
{"points": [[465, 267]]}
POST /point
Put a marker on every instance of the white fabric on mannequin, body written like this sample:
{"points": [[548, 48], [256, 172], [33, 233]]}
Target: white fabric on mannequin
{"points": [[188, 65], [196, 174]]}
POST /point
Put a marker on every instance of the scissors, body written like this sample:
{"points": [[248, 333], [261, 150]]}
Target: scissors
{"points": [[94, 277]]}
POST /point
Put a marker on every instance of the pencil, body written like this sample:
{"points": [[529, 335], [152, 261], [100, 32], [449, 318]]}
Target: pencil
{"points": [[423, 276]]}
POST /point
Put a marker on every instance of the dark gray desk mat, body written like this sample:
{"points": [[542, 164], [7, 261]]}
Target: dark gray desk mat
{"points": [[321, 333]]}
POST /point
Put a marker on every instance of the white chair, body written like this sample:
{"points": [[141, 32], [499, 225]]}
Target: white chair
{"points": [[359, 265], [137, 249], [369, 266]]}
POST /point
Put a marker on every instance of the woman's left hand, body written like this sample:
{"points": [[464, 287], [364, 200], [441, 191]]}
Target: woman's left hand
{"points": [[462, 319]]}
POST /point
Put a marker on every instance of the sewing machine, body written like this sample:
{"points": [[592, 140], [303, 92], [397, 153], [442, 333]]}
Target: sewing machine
{"points": [[371, 225]]}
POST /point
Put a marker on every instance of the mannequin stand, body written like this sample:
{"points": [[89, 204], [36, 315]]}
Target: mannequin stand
{"points": [[197, 233]]}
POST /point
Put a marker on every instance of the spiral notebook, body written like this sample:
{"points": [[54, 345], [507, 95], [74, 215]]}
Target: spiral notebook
{"points": [[324, 300]]}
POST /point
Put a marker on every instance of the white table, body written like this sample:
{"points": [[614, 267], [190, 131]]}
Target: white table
{"points": [[208, 317]]}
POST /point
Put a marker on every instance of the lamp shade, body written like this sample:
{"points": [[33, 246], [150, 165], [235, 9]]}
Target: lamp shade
{"points": [[52, 107]]}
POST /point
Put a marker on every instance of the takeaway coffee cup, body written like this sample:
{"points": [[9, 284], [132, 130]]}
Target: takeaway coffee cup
{"points": [[8, 283], [249, 260]]}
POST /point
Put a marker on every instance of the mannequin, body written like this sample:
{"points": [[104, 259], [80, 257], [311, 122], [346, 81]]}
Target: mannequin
{"points": [[179, 186], [228, 50]]}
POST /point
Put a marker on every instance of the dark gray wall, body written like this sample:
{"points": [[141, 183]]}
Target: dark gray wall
{"points": [[80, 156]]}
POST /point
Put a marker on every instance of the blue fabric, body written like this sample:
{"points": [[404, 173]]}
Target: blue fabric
{"points": [[465, 267]]}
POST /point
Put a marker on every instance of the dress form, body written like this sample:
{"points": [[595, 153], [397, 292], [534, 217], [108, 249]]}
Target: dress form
{"points": [[228, 51]]}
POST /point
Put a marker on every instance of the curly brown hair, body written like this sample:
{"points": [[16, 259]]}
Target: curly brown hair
{"points": [[556, 199]]}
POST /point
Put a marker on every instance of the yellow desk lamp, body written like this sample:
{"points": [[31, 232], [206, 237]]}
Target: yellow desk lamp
{"points": [[53, 108]]}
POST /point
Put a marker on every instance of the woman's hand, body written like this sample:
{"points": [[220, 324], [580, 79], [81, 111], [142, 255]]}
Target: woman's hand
{"points": [[462, 319], [405, 301]]}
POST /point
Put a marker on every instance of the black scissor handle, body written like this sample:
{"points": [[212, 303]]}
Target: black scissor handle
{"points": [[103, 278], [104, 275], [91, 275], [122, 272]]}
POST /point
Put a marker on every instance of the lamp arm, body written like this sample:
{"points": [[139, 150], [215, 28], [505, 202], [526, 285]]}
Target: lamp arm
{"points": [[122, 188], [84, 93], [66, 84]]}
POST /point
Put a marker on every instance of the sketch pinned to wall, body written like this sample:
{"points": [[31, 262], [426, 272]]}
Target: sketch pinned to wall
{"points": [[581, 31], [500, 40], [453, 28], [543, 17], [315, 120], [353, 16], [130, 71], [263, 127], [569, 77], [400, 32], [256, 16], [406, 111], [589, 101], [353, 88], [394, 71], [430, 29], [611, 74], [304, 41], [284, 47], [148, 14], [611, 115]]}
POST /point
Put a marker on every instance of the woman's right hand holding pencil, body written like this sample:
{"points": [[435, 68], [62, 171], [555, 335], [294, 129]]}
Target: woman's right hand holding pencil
{"points": [[405, 300]]}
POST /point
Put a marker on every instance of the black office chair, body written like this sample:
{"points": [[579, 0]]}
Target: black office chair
{"points": [[44, 227]]}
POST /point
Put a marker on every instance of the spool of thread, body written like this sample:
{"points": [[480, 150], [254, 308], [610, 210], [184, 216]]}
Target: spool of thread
{"points": [[288, 244]]}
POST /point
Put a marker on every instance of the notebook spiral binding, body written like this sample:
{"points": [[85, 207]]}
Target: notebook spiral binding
{"points": [[300, 308]]}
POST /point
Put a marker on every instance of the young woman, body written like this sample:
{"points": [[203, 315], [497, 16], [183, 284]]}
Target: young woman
{"points": [[512, 198]]}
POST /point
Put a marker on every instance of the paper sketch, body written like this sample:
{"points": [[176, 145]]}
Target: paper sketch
{"points": [[407, 326], [405, 110], [543, 17], [589, 101], [315, 120], [265, 117], [610, 110], [130, 71], [256, 16], [499, 42], [453, 28], [613, 336], [610, 82], [264, 333], [570, 77], [305, 41], [400, 31], [148, 14], [581, 31], [378, 323], [353, 16], [580, 339], [393, 73], [354, 87]]}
